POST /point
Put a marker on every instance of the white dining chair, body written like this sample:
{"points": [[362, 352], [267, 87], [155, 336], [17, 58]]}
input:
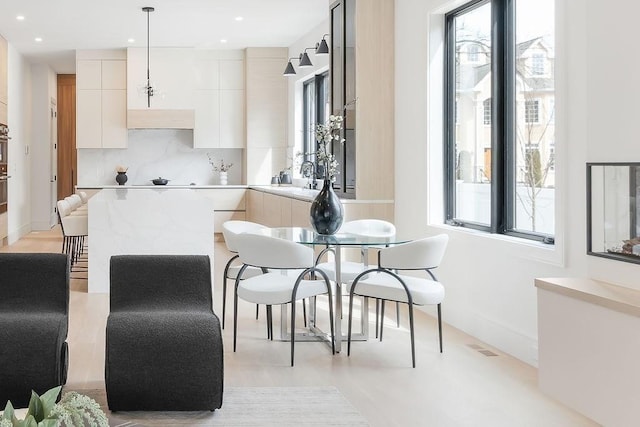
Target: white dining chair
{"points": [[361, 227], [231, 229], [350, 269], [274, 287], [385, 283]]}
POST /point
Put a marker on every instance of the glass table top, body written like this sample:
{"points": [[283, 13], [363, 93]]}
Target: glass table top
{"points": [[309, 237]]}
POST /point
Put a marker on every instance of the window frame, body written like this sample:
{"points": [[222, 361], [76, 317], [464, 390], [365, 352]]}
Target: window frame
{"points": [[315, 88], [503, 122]]}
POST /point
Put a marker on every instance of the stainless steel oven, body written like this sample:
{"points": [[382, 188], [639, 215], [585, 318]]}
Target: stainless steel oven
{"points": [[4, 171]]}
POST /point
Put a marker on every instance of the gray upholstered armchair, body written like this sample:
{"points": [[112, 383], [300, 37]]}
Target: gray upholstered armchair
{"points": [[164, 346], [34, 320]]}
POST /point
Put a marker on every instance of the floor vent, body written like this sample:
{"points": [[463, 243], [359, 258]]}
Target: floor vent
{"points": [[481, 349]]}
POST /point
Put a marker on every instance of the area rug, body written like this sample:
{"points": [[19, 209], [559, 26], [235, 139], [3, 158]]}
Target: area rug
{"points": [[251, 406]]}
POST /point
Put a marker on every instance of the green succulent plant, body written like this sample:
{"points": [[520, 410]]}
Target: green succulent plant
{"points": [[73, 409]]}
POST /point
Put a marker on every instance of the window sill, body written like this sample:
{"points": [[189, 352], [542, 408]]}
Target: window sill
{"points": [[523, 248]]}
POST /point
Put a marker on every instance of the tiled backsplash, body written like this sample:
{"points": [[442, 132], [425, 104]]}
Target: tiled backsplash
{"points": [[153, 153]]}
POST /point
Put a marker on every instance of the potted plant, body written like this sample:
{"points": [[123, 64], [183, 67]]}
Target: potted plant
{"points": [[221, 167], [73, 409]]}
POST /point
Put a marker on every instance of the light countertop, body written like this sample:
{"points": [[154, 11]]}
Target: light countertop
{"points": [[294, 192], [614, 297]]}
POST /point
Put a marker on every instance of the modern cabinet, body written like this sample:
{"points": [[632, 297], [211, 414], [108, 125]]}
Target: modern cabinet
{"points": [[172, 75], [362, 84], [277, 211], [219, 100], [101, 103], [229, 204]]}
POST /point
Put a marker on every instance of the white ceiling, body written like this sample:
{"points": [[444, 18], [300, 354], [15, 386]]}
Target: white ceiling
{"points": [[67, 25]]}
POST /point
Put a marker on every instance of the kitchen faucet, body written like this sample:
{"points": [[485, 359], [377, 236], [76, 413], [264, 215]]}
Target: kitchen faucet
{"points": [[309, 172]]}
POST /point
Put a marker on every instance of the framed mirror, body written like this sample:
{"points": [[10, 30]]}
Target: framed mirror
{"points": [[613, 211]]}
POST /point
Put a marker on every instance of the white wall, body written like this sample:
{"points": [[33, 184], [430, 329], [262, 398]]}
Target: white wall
{"points": [[489, 279], [19, 72], [320, 64], [153, 153], [44, 88]]}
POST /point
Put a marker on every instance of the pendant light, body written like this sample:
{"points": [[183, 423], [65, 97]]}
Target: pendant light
{"points": [[148, 88]]}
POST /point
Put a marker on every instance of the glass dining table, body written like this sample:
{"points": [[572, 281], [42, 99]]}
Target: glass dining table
{"points": [[336, 241]]}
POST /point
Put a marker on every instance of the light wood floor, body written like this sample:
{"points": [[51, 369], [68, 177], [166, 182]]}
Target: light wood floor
{"points": [[461, 387]]}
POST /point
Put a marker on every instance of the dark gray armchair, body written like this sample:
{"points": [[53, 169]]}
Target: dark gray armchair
{"points": [[164, 346], [34, 320]]}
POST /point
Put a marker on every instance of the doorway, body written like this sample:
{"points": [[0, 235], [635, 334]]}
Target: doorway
{"points": [[67, 155]]}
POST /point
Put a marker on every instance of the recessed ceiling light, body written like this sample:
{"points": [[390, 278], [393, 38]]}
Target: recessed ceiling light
{"points": [[239, 18], [38, 39], [131, 40], [20, 18], [223, 40]]}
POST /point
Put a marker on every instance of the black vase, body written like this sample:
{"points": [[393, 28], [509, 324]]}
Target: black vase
{"points": [[326, 213], [121, 178]]}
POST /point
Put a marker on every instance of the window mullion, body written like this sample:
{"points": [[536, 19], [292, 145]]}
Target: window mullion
{"points": [[499, 109]]}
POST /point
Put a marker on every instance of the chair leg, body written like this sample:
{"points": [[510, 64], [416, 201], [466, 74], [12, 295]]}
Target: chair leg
{"points": [[381, 318], [304, 312], [397, 314], [333, 335], [440, 325], [350, 323], [269, 323], [225, 276], [224, 297], [235, 318], [413, 342], [377, 315], [293, 327]]}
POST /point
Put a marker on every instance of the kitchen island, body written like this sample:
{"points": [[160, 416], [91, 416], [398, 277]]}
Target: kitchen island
{"points": [[146, 221]]}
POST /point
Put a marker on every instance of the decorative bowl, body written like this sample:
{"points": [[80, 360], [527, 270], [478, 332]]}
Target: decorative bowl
{"points": [[160, 181]]}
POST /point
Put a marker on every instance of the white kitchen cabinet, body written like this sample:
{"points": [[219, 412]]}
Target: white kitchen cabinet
{"points": [[206, 132], [231, 75], [207, 74], [232, 119], [219, 119], [89, 118], [114, 75], [173, 76], [229, 204], [101, 102], [89, 74], [114, 118]]}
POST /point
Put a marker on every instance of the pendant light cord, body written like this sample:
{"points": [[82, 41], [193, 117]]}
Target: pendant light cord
{"points": [[149, 89]]}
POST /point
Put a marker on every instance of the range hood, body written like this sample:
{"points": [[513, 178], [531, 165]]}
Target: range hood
{"points": [[160, 119]]}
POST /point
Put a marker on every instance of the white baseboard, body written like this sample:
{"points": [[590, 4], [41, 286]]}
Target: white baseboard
{"points": [[15, 235], [496, 334], [40, 226]]}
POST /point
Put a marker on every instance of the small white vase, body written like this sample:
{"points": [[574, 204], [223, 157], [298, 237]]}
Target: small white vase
{"points": [[223, 178]]}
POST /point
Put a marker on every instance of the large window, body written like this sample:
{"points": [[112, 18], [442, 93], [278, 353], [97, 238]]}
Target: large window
{"points": [[500, 152], [315, 101]]}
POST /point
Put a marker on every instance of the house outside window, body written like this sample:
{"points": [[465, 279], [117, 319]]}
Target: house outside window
{"points": [[472, 56], [537, 64], [499, 170], [486, 111], [532, 111]]}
